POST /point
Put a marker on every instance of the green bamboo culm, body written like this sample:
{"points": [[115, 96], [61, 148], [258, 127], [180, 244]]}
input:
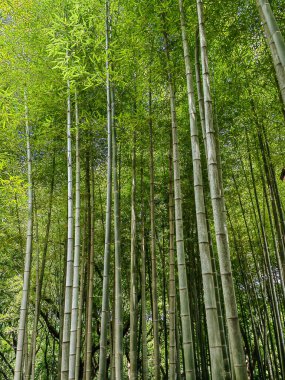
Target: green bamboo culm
{"points": [[187, 335], [106, 271], [216, 190], [69, 257], [118, 333], [215, 342], [28, 257], [133, 290], [75, 289], [273, 29], [155, 321]]}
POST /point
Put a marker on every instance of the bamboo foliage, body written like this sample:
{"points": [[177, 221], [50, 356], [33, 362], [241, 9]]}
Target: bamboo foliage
{"points": [[145, 291]]}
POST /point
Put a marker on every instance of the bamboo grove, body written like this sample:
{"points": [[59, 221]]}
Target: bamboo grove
{"points": [[142, 188]]}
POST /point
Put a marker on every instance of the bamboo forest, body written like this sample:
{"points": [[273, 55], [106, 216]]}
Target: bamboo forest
{"points": [[142, 189]]}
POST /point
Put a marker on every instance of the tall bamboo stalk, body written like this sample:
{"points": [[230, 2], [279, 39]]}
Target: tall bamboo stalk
{"points": [[155, 321], [279, 69], [215, 345], [187, 337], [172, 286], [31, 366], [269, 354], [218, 289], [31, 358], [80, 310], [28, 257], [90, 280], [88, 255], [75, 287], [216, 190], [133, 290], [118, 269], [164, 298], [273, 29], [61, 301], [143, 287], [69, 257], [106, 280], [275, 198]]}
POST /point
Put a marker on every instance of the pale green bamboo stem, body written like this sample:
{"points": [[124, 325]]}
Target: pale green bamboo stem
{"points": [[215, 344], [28, 257], [69, 257], [75, 286], [216, 190], [133, 290], [105, 296]]}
